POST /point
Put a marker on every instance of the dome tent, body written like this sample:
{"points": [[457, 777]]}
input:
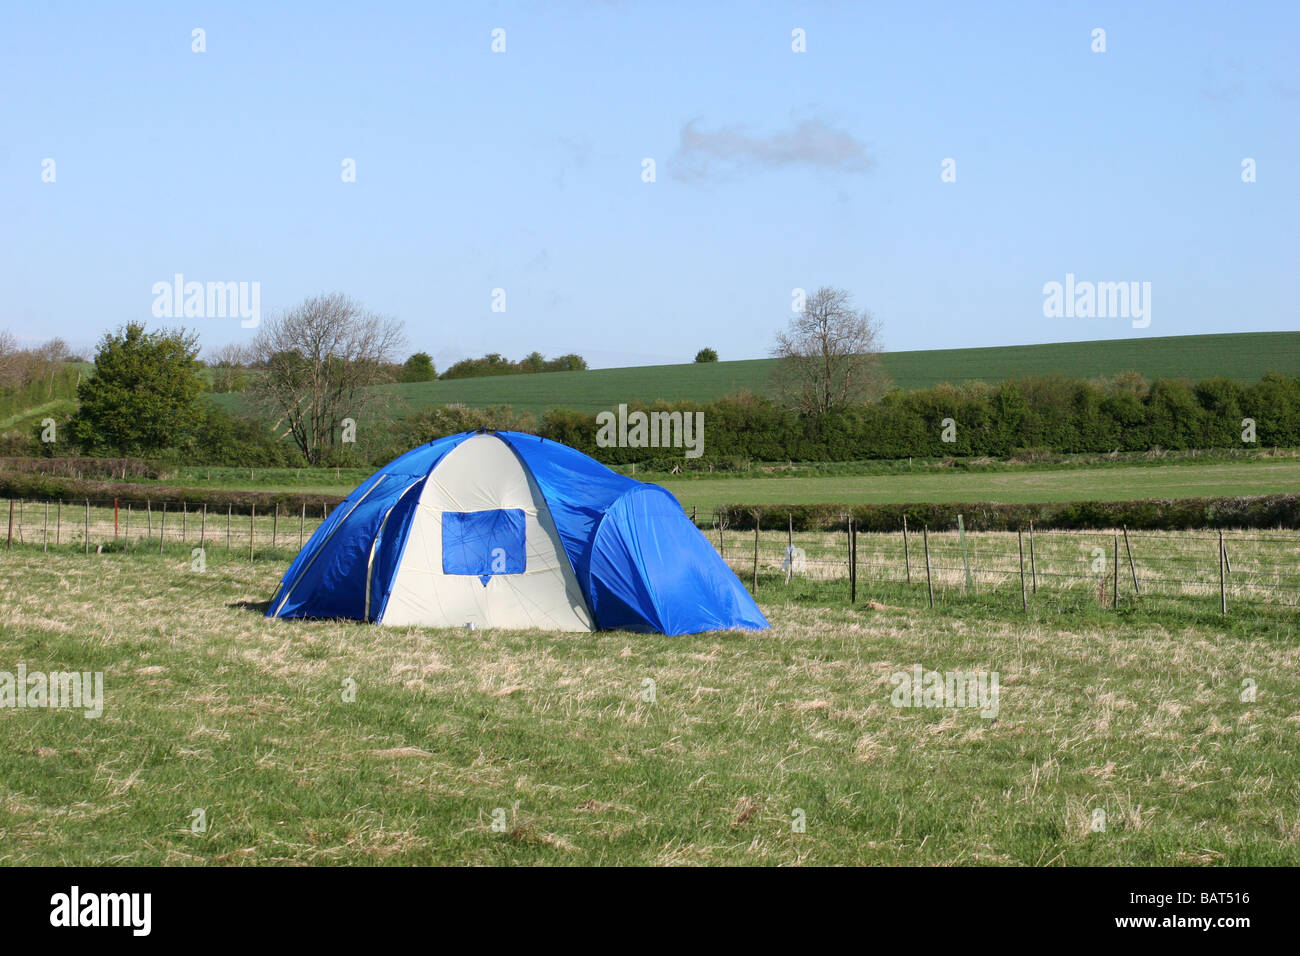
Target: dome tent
{"points": [[509, 530]]}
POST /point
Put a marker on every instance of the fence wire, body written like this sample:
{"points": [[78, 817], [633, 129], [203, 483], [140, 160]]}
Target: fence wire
{"points": [[1232, 567]]}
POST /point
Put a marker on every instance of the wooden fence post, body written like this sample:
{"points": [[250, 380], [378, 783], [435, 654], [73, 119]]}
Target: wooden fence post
{"points": [[227, 525], [87, 534], [114, 519], [1132, 569], [162, 527], [275, 524], [203, 526], [9, 541], [46, 534], [252, 529], [1020, 544], [853, 564], [128, 521], [58, 520], [148, 528], [929, 585], [757, 522], [302, 524], [1223, 587]]}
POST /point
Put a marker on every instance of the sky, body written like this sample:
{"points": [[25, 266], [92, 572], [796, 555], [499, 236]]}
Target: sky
{"points": [[774, 168]]}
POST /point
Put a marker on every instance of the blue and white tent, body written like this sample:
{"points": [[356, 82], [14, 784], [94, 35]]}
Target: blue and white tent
{"points": [[508, 530]]}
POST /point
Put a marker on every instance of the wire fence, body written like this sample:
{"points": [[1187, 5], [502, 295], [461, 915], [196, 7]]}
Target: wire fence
{"points": [[93, 523], [1117, 565], [1227, 568]]}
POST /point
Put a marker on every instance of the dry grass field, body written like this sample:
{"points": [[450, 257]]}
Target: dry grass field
{"points": [[502, 747]]}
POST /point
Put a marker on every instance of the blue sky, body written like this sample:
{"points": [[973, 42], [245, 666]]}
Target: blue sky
{"points": [[522, 170]]}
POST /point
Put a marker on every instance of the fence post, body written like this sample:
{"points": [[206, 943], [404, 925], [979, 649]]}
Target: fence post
{"points": [[58, 520], [162, 527], [929, 585], [9, 542], [1132, 569], [853, 564], [1020, 545], [907, 555], [252, 529], [45, 536], [203, 526], [227, 525], [128, 521], [87, 535], [275, 524], [1033, 565], [114, 519], [185, 513], [22, 540], [961, 533], [148, 528], [302, 524], [757, 522], [1223, 589]]}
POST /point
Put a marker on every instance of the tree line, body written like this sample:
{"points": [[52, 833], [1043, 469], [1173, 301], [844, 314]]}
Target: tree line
{"points": [[1021, 417], [311, 402]]}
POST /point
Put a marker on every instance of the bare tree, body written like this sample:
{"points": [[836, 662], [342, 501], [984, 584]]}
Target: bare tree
{"points": [[317, 360], [830, 355], [10, 371], [228, 368], [21, 367]]}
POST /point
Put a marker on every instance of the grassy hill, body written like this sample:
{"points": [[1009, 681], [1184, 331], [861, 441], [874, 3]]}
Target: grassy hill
{"points": [[1243, 355], [21, 407]]}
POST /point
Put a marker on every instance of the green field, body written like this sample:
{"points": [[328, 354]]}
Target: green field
{"points": [[1028, 483], [1246, 356], [555, 739], [1116, 483]]}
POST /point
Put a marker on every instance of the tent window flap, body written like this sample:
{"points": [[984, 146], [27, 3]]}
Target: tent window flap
{"points": [[483, 543]]}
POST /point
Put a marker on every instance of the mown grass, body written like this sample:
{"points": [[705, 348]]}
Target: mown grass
{"points": [[208, 705], [924, 483]]}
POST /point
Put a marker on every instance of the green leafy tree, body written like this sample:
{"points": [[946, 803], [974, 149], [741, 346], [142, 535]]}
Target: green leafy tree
{"points": [[419, 368], [571, 362], [143, 395], [706, 355]]}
